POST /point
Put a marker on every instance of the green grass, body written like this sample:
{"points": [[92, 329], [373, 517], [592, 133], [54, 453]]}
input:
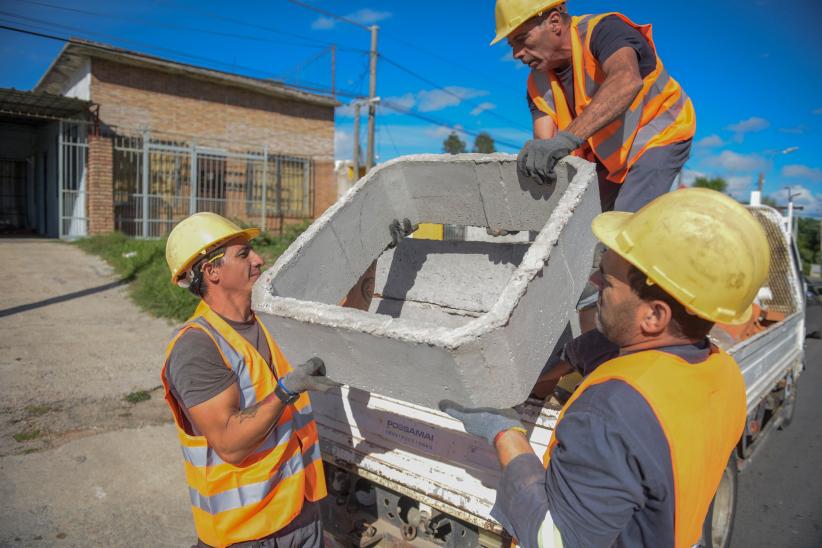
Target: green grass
{"points": [[137, 397], [28, 435], [37, 410], [142, 263]]}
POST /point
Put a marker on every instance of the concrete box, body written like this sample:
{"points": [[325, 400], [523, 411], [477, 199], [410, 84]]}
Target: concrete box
{"points": [[473, 322]]}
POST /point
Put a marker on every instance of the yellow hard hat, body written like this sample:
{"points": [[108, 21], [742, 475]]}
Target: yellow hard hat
{"points": [[512, 13], [700, 246], [195, 236]]}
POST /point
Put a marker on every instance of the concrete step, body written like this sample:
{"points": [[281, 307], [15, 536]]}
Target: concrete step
{"points": [[468, 321]]}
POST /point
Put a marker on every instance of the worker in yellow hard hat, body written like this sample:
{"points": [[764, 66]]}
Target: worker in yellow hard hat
{"points": [[242, 413], [598, 89], [640, 448]]}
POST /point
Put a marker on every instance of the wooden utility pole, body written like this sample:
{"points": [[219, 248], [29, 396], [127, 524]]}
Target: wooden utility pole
{"points": [[356, 140], [372, 91], [333, 67], [761, 182]]}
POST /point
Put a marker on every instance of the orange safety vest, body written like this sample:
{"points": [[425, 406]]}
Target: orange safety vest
{"points": [[265, 493], [661, 113], [701, 409]]}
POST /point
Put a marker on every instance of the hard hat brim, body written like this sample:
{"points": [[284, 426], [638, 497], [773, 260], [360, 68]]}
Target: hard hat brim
{"points": [[607, 227], [247, 233]]}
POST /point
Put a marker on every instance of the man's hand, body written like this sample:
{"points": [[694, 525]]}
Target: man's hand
{"points": [[483, 421], [308, 376], [537, 159], [399, 231]]}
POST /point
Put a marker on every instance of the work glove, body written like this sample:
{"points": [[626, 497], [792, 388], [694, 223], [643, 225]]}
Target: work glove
{"points": [[399, 231], [538, 158], [308, 376], [484, 422]]}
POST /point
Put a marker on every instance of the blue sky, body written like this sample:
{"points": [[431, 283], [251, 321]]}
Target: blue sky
{"points": [[753, 69]]}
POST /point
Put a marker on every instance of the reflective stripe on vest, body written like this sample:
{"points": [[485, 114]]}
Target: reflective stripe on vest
{"points": [[661, 114], [701, 409], [262, 495]]}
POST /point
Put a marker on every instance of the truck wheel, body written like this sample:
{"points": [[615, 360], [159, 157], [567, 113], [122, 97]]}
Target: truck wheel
{"points": [[719, 523], [788, 401]]}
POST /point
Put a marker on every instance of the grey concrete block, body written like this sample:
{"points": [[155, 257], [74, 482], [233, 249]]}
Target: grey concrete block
{"points": [[469, 321]]}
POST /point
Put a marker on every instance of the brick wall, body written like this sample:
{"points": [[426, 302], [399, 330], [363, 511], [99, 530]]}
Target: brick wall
{"points": [[135, 97], [100, 202]]}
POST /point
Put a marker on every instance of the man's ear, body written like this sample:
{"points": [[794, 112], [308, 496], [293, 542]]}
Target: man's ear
{"points": [[211, 272], [655, 317], [554, 21]]}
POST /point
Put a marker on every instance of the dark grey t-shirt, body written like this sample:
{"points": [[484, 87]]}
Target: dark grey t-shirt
{"points": [[609, 36], [196, 371]]}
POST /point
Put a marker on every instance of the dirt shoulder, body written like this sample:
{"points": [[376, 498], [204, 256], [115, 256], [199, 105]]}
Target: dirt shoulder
{"points": [[72, 347]]}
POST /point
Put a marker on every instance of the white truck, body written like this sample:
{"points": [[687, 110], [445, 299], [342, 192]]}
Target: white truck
{"points": [[402, 473]]}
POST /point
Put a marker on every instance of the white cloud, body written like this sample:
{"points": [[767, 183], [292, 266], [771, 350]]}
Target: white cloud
{"points": [[690, 175], [750, 125], [343, 144], [710, 141], [735, 162], [364, 16], [802, 196], [798, 171], [797, 130], [740, 186], [438, 99], [482, 107], [323, 23], [406, 101]]}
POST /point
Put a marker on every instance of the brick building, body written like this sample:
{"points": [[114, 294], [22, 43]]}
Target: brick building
{"points": [[154, 140]]}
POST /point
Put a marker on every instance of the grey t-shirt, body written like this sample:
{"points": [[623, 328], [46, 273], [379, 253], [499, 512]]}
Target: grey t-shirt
{"points": [[196, 371]]}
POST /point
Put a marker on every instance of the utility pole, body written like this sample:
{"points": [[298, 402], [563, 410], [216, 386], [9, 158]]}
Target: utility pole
{"points": [[356, 140], [333, 67], [372, 91]]}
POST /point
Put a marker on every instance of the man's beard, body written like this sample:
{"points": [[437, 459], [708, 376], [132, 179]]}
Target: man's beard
{"points": [[615, 322]]}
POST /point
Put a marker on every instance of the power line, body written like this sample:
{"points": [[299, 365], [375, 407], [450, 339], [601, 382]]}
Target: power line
{"points": [[198, 9], [430, 119], [311, 87], [449, 92], [174, 27], [329, 14]]}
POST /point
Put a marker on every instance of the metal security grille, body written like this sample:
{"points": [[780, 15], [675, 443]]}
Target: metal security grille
{"points": [[782, 265], [72, 150], [159, 180], [13, 195]]}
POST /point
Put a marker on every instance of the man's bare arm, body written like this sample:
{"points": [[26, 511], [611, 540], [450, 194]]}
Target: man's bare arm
{"points": [[621, 86], [232, 432], [544, 127]]}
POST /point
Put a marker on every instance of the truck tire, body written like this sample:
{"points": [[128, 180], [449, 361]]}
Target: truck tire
{"points": [[719, 523], [788, 407]]}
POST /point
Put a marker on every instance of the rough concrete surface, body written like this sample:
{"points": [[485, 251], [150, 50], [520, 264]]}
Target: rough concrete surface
{"points": [[79, 465], [520, 309]]}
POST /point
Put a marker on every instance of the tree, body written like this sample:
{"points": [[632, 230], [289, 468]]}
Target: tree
{"points": [[453, 144], [714, 183], [769, 201], [484, 143], [807, 240]]}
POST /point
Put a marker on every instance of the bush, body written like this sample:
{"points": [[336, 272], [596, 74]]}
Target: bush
{"points": [[142, 263]]}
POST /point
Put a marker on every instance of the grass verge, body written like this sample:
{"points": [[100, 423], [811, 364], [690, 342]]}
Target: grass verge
{"points": [[142, 263], [137, 397], [28, 435]]}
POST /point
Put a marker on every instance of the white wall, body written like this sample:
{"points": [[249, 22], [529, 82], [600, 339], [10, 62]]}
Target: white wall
{"points": [[78, 84]]}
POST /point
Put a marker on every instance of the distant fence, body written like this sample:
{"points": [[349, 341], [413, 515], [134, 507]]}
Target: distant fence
{"points": [[159, 179]]}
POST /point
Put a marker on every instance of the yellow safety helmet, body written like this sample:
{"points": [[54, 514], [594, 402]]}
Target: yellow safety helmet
{"points": [[196, 236], [510, 14], [702, 247]]}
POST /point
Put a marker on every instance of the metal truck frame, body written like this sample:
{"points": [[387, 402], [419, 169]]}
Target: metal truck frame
{"points": [[401, 473]]}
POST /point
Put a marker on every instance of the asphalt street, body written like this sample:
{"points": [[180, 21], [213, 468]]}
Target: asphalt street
{"points": [[780, 493]]}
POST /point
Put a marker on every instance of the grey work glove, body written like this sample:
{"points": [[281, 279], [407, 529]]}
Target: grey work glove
{"points": [[308, 376], [399, 231], [484, 422], [538, 158]]}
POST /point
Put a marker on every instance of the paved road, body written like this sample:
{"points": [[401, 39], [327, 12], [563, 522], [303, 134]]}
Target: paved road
{"points": [[780, 493]]}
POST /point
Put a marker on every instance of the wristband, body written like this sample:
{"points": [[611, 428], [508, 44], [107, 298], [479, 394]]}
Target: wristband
{"points": [[283, 394]]}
